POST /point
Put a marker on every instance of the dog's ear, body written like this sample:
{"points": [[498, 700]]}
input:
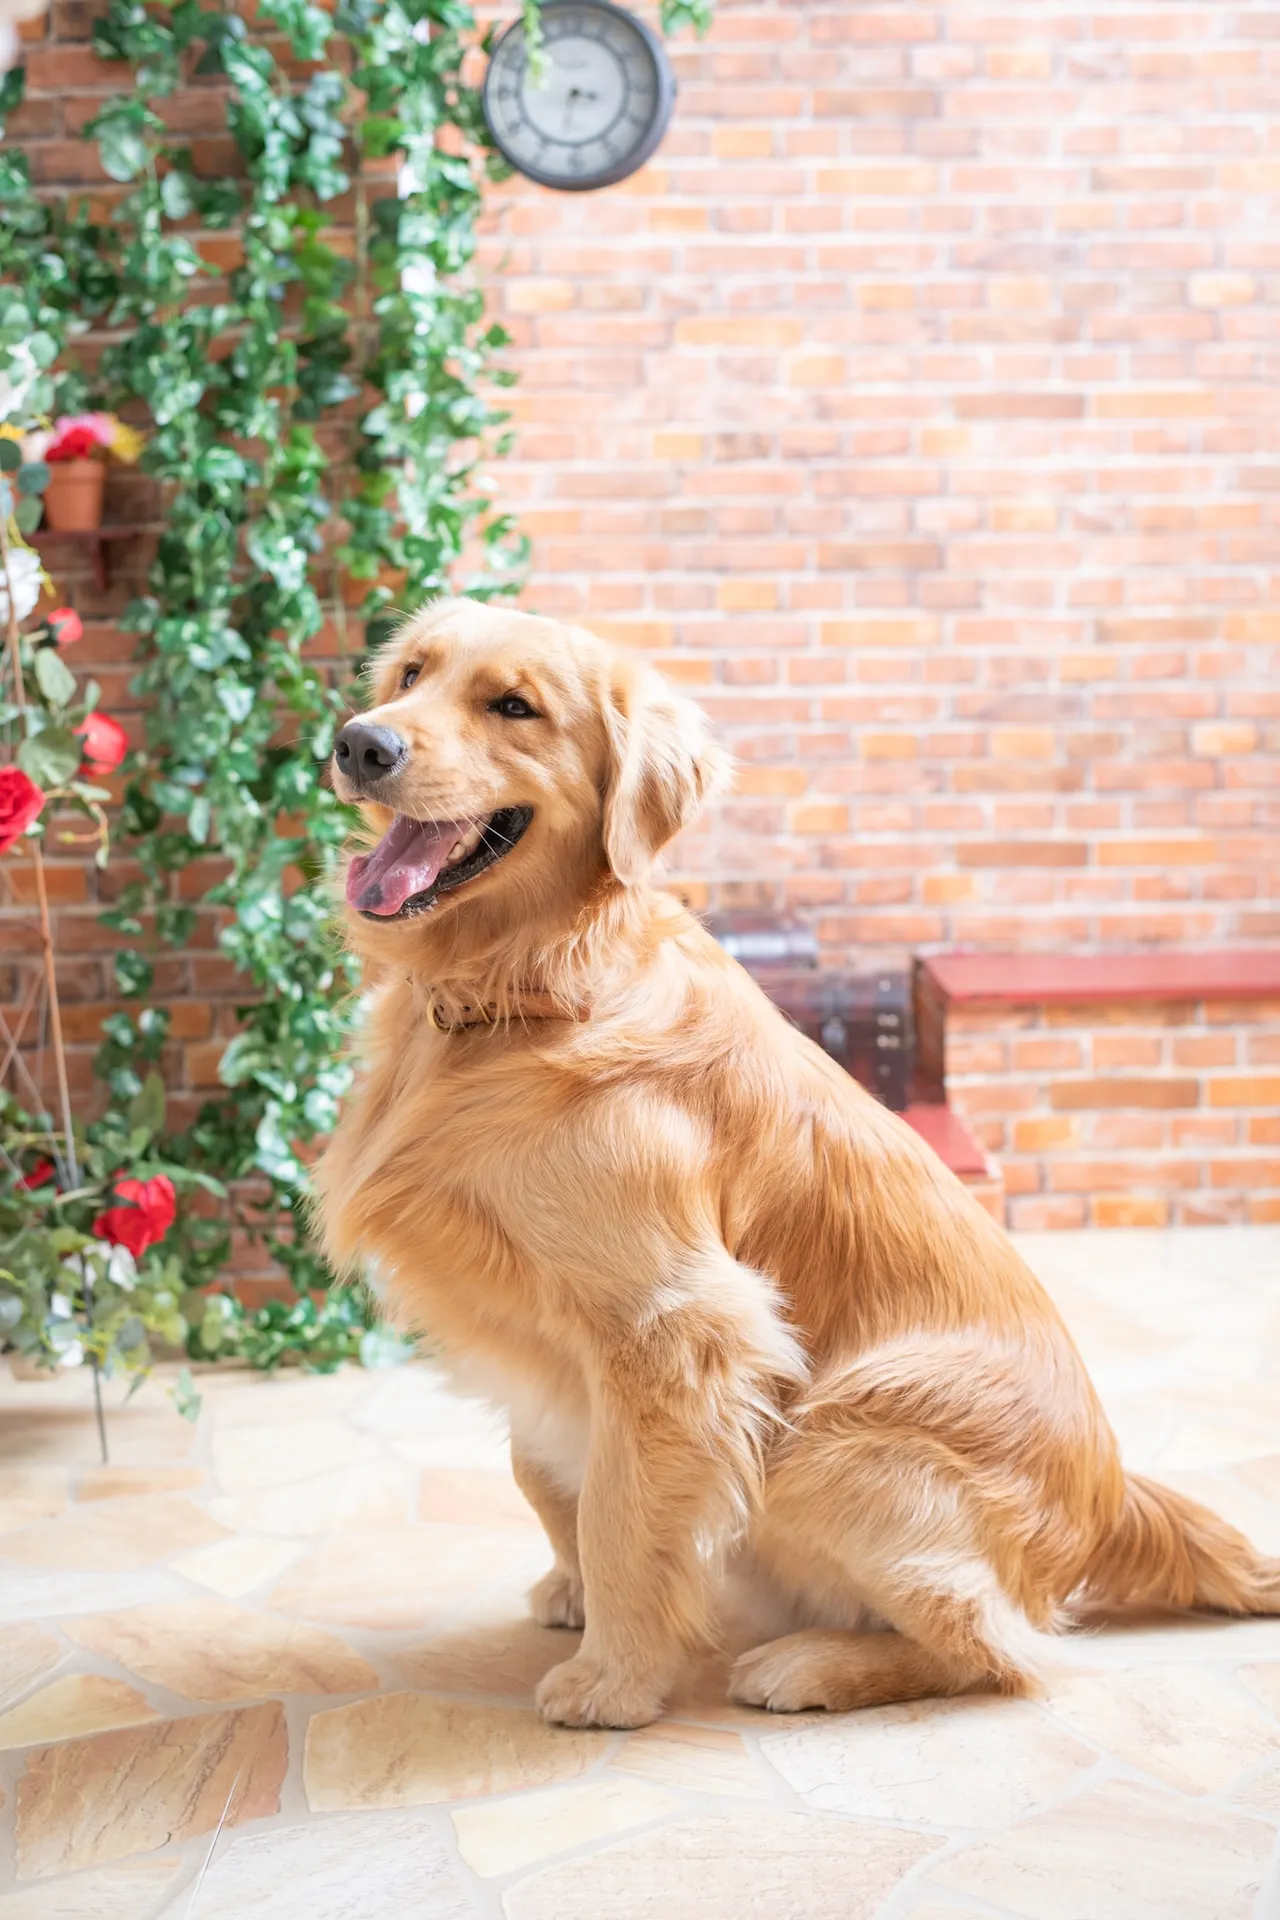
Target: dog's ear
{"points": [[663, 764]]}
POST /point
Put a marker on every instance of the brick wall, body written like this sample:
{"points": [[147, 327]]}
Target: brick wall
{"points": [[916, 408], [1128, 1115]]}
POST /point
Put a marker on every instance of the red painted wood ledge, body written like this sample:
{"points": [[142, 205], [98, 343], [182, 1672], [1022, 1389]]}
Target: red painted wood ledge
{"points": [[1036, 979]]}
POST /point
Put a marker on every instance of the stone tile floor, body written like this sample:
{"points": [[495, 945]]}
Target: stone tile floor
{"points": [[279, 1665]]}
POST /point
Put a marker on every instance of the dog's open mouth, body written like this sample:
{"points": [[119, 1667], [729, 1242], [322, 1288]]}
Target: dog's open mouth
{"points": [[417, 860]]}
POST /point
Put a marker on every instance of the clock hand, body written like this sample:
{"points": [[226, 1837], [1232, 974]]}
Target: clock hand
{"points": [[571, 100]]}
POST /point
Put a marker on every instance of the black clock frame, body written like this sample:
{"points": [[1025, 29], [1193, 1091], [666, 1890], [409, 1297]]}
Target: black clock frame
{"points": [[664, 101]]}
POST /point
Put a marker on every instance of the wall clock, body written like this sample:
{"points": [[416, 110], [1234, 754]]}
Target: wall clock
{"points": [[600, 105]]}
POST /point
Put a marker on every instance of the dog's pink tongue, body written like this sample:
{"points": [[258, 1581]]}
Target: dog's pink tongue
{"points": [[405, 861]]}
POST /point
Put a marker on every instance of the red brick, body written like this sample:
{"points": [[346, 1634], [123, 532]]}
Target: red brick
{"points": [[1159, 1091], [1126, 1050], [1129, 1210], [1244, 1090]]}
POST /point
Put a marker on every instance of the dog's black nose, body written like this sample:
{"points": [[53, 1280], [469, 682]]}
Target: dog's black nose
{"points": [[368, 754]]}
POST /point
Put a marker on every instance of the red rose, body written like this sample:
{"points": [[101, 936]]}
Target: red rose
{"points": [[20, 802], [105, 742], [146, 1216], [75, 442], [67, 625], [39, 1176]]}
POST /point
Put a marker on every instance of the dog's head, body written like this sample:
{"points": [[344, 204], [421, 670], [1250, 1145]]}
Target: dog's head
{"points": [[510, 765]]}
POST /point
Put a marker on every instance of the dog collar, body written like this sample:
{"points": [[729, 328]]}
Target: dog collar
{"points": [[527, 1006]]}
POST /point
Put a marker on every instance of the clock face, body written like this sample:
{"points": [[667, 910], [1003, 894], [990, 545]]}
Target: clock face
{"points": [[598, 108]]}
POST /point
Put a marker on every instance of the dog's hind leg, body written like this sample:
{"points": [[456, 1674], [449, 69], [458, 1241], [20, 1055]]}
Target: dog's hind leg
{"points": [[863, 1515], [946, 1644]]}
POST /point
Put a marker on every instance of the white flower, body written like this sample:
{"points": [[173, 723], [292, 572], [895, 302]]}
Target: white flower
{"points": [[121, 1267], [27, 576], [16, 384]]}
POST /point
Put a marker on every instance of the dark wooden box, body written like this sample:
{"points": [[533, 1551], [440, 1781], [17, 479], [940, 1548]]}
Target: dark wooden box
{"points": [[861, 1016]]}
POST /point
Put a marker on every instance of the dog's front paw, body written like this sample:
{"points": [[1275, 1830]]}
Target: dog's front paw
{"points": [[556, 1601], [582, 1693]]}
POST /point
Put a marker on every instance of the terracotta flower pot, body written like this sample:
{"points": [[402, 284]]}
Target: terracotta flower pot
{"points": [[73, 497]]}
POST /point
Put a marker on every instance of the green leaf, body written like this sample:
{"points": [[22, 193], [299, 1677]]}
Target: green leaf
{"points": [[34, 477], [186, 1400], [51, 757], [123, 150], [27, 514], [10, 455], [54, 678], [146, 1109], [134, 973], [176, 196], [383, 1347]]}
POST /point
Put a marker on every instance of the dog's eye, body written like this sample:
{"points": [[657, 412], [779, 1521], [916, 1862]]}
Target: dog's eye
{"points": [[513, 706], [408, 677]]}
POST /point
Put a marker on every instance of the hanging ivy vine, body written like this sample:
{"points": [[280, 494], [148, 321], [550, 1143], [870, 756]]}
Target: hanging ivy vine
{"points": [[313, 422], [250, 395]]}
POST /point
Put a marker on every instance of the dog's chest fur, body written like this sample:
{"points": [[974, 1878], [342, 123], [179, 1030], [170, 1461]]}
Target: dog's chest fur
{"points": [[448, 1183]]}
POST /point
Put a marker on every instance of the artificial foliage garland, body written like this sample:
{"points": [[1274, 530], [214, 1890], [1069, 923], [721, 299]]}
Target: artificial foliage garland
{"points": [[247, 393], [239, 391]]}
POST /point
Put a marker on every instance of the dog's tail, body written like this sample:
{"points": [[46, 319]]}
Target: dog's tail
{"points": [[1168, 1551]]}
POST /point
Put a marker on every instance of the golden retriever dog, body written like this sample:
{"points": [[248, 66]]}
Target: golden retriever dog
{"points": [[736, 1312]]}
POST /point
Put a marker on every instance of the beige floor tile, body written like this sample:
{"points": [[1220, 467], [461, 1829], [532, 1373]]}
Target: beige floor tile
{"points": [[117, 1483], [78, 1704], [352, 1497], [139, 1435], [29, 1388], [43, 1593], [235, 1567], [501, 1836], [1261, 1796], [413, 1750], [30, 1493], [778, 1866], [963, 1763], [700, 1759], [463, 1452], [1263, 1681], [1261, 1476], [244, 1463], [1186, 1725], [508, 1658], [27, 1653], [237, 1397], [1118, 1852], [113, 1536], [1164, 1640], [416, 1400], [473, 1499], [399, 1579], [134, 1891], [358, 1866], [931, 1910], [88, 1802], [210, 1650]]}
